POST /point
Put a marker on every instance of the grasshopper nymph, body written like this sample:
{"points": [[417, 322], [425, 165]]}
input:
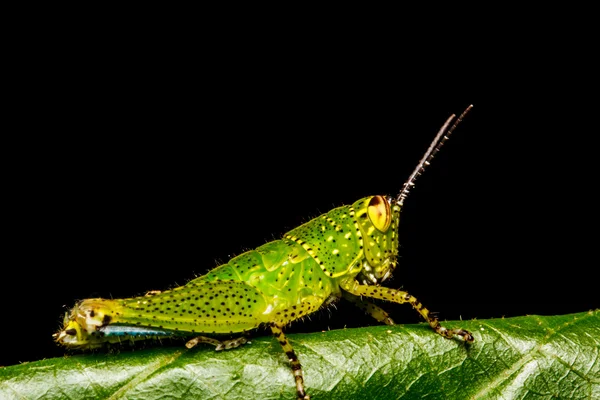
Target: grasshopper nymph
{"points": [[347, 252]]}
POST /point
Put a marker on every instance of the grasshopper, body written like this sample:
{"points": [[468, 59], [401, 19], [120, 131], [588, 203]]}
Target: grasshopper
{"points": [[345, 253]]}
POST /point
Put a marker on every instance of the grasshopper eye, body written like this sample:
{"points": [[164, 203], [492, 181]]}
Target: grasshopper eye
{"points": [[71, 332], [379, 213]]}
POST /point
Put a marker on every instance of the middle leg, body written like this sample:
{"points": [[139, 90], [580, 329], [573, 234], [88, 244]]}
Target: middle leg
{"points": [[371, 309]]}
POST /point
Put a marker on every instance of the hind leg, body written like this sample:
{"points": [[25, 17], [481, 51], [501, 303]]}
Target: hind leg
{"points": [[289, 352], [219, 344]]}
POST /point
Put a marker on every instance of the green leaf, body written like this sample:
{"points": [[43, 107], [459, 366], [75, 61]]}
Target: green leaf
{"points": [[530, 357]]}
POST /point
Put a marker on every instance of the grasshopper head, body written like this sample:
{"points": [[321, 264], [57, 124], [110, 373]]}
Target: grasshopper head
{"points": [[81, 324], [378, 218]]}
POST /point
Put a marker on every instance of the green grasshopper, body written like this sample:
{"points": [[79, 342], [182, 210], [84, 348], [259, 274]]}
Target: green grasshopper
{"points": [[347, 252]]}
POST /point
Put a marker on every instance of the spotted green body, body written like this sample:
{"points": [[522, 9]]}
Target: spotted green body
{"points": [[280, 281], [347, 252]]}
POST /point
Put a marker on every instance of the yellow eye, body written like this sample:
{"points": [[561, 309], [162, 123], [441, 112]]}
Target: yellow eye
{"points": [[380, 213]]}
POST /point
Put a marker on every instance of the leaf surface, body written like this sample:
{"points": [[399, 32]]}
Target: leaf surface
{"points": [[532, 357]]}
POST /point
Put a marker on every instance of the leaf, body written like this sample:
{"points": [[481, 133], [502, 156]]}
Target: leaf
{"points": [[530, 357]]}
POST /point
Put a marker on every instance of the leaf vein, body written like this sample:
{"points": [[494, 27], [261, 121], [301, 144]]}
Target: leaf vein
{"points": [[144, 374], [525, 358]]}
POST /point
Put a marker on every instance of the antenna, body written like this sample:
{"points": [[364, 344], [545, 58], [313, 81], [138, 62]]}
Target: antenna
{"points": [[435, 146]]}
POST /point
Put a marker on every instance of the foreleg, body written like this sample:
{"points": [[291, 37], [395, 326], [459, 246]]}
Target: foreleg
{"points": [[399, 296]]}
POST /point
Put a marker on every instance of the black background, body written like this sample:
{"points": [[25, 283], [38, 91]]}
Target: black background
{"points": [[136, 174]]}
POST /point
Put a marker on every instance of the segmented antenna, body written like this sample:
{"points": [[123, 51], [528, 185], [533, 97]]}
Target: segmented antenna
{"points": [[435, 146]]}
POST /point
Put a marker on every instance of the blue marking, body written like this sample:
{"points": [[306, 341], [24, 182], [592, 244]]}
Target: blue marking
{"points": [[135, 331]]}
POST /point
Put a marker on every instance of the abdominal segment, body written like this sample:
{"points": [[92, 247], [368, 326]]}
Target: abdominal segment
{"points": [[209, 307]]}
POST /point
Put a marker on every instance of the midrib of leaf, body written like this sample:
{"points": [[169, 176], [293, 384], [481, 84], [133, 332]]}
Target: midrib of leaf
{"points": [[147, 372], [526, 358]]}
